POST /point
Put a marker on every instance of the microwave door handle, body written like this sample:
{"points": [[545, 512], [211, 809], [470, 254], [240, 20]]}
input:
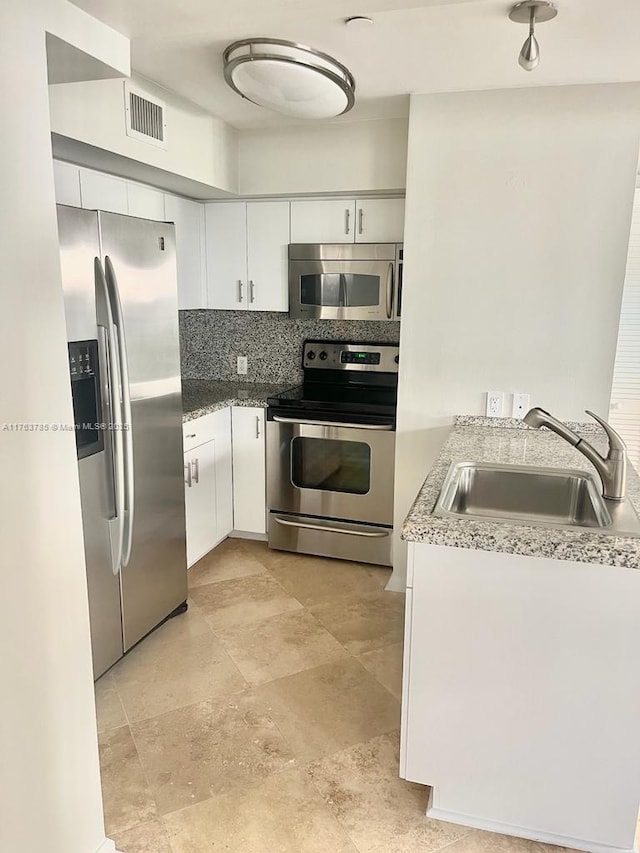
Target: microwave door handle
{"points": [[389, 305], [127, 438], [279, 419], [105, 321]]}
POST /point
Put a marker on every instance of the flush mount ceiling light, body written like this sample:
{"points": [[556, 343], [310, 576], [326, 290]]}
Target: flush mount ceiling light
{"points": [[531, 12], [289, 78]]}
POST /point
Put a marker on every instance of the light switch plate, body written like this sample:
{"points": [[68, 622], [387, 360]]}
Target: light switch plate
{"points": [[242, 365], [520, 405], [495, 404]]}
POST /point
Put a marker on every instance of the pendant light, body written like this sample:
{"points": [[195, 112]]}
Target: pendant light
{"points": [[531, 12]]}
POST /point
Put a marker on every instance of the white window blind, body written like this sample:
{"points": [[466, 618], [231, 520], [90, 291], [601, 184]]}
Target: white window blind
{"points": [[625, 393]]}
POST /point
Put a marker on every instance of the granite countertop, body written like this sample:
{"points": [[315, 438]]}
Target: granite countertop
{"points": [[203, 396], [502, 440]]}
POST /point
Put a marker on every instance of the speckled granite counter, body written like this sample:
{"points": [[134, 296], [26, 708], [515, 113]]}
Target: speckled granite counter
{"points": [[476, 439], [202, 396]]}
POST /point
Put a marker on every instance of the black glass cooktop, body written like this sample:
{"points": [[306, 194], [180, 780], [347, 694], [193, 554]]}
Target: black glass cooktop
{"points": [[329, 397]]}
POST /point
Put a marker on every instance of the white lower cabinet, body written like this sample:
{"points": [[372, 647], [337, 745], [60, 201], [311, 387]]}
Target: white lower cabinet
{"points": [[208, 482], [200, 500], [249, 470]]}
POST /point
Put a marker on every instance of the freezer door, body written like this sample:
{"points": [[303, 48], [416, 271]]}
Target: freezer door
{"points": [[79, 247], [139, 259], [103, 586]]}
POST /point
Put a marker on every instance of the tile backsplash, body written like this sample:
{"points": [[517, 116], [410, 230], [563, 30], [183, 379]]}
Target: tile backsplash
{"points": [[211, 341]]}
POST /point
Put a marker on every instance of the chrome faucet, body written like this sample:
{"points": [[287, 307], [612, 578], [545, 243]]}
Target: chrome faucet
{"points": [[612, 470]]}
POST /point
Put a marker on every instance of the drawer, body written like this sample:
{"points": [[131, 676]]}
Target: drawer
{"points": [[198, 431]]}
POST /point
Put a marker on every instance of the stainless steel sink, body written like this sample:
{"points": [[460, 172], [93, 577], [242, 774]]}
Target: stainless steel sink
{"points": [[516, 493]]}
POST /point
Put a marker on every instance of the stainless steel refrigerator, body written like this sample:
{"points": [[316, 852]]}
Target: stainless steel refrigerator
{"points": [[120, 292]]}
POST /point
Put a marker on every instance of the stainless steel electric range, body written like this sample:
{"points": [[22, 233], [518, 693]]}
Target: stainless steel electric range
{"points": [[330, 453]]}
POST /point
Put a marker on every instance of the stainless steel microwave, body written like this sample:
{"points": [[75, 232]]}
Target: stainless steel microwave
{"points": [[345, 281]]}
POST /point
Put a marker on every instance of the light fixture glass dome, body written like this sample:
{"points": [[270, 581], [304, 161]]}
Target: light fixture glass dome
{"points": [[289, 78]]}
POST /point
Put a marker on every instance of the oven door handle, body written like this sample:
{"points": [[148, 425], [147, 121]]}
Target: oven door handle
{"points": [[281, 420], [369, 534]]}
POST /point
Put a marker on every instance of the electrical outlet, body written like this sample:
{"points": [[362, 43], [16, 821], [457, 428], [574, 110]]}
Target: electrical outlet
{"points": [[520, 405], [495, 404], [242, 365]]}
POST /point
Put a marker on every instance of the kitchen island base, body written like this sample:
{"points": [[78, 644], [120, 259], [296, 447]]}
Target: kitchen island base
{"points": [[521, 694]]}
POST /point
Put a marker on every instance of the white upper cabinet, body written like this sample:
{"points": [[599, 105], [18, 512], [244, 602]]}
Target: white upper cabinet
{"points": [[379, 220], [323, 221], [268, 255], [188, 217], [66, 178], [145, 202], [367, 220], [226, 228], [247, 255], [103, 192]]}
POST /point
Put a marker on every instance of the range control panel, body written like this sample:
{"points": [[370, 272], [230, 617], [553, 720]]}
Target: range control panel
{"points": [[359, 357], [350, 355]]}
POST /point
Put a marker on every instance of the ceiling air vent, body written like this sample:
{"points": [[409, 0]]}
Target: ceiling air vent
{"points": [[145, 117]]}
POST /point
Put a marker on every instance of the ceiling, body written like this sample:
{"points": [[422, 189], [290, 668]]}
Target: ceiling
{"points": [[414, 46]]}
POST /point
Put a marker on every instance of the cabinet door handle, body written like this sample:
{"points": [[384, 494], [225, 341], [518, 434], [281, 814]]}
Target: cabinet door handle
{"points": [[360, 217], [191, 435], [257, 426], [252, 291], [196, 470], [187, 478], [347, 215], [240, 294]]}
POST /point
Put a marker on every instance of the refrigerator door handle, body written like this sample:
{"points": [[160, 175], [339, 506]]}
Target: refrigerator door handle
{"points": [[105, 321], [127, 436]]}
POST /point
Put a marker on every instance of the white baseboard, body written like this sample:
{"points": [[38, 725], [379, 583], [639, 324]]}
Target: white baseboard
{"points": [[244, 534], [522, 832], [107, 846]]}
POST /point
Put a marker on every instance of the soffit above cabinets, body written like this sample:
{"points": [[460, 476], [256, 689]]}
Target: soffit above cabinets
{"points": [[414, 46]]}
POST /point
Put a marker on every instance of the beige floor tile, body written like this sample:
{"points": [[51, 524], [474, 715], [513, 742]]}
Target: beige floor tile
{"points": [[185, 625], [491, 842], [209, 748], [149, 837], [282, 815], [323, 710], [156, 677], [109, 711], [279, 646], [365, 622], [243, 600], [126, 795], [381, 812], [229, 560], [315, 580], [385, 664]]}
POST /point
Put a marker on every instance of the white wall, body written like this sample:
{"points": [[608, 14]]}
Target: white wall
{"points": [[365, 156], [199, 147], [517, 219], [49, 775]]}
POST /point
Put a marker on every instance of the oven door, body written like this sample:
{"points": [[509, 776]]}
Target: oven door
{"points": [[331, 471], [342, 290]]}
